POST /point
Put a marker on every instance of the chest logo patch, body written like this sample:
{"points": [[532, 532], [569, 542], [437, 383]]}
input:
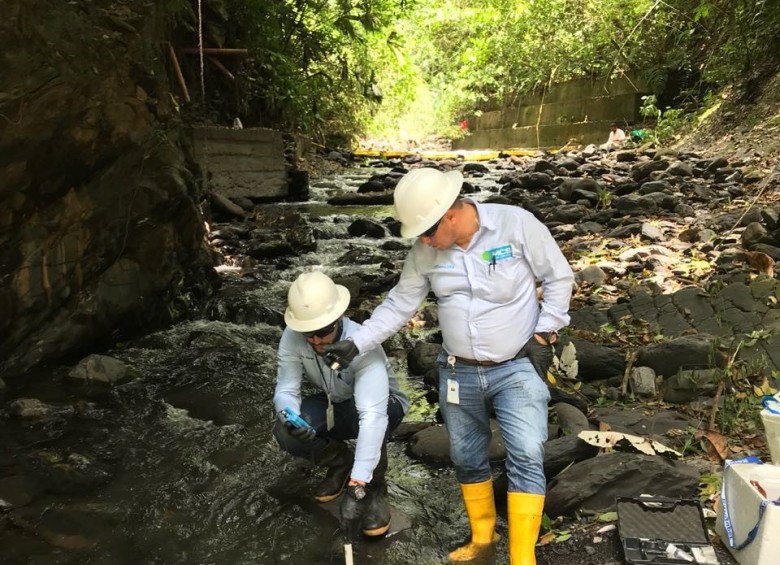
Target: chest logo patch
{"points": [[499, 253]]}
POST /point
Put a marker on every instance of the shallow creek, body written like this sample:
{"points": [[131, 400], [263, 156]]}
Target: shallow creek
{"points": [[177, 465]]}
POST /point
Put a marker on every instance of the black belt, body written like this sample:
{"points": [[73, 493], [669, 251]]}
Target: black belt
{"points": [[476, 362]]}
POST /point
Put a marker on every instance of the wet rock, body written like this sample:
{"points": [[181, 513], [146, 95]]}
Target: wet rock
{"points": [[32, 408], [360, 256], [589, 227], [566, 190], [593, 485], [634, 204], [561, 452], [592, 275], [226, 206], [72, 473], [680, 169], [363, 227], [571, 420], [475, 168], [101, 368], [686, 386], [543, 165], [642, 382], [652, 233], [373, 185], [18, 490], [754, 234], [771, 217], [433, 444], [771, 250], [642, 170], [568, 213], [535, 180], [238, 306], [654, 186], [595, 361], [666, 359], [559, 396], [422, 357], [637, 422]]}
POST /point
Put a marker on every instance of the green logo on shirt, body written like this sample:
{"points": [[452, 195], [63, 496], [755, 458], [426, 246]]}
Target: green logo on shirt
{"points": [[497, 253]]}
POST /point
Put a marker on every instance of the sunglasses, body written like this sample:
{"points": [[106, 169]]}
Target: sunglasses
{"points": [[431, 231], [322, 332]]}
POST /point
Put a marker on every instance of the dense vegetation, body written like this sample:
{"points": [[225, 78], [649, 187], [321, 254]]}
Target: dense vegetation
{"points": [[407, 68]]}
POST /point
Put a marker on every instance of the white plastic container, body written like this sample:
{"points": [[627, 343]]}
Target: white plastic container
{"points": [[743, 500], [767, 478], [772, 429]]}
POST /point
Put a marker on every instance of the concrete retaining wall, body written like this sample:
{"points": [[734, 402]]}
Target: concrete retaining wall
{"points": [[579, 110], [249, 163]]}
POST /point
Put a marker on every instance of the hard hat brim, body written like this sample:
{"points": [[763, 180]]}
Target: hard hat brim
{"points": [[323, 320], [451, 191]]}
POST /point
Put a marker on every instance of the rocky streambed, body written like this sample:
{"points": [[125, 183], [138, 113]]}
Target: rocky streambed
{"points": [[159, 450]]}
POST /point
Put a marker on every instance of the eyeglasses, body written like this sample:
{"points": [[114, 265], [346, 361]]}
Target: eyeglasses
{"points": [[431, 231], [322, 332]]}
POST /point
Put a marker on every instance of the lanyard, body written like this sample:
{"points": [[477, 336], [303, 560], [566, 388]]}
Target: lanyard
{"points": [[727, 523], [322, 375]]}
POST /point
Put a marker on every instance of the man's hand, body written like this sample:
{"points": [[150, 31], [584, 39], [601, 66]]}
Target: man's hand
{"points": [[301, 434], [353, 506], [541, 355], [341, 353]]}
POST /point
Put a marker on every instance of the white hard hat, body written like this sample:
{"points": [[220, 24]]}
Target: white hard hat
{"points": [[314, 301], [423, 196]]}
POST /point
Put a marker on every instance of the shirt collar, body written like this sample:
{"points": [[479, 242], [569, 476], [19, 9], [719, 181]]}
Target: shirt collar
{"points": [[486, 220]]}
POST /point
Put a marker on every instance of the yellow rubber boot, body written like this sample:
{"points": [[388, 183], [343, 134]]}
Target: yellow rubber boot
{"points": [[481, 510], [524, 513]]}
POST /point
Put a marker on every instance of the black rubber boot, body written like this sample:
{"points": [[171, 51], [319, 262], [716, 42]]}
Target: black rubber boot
{"points": [[376, 520], [338, 458]]}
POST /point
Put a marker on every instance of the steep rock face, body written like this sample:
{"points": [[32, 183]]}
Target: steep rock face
{"points": [[100, 234]]}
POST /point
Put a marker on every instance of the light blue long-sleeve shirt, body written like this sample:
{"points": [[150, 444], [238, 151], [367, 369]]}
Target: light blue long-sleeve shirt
{"points": [[487, 296], [369, 378]]}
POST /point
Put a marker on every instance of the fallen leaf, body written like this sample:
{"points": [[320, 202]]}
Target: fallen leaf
{"points": [[717, 444], [608, 517], [761, 262], [546, 538], [611, 439]]}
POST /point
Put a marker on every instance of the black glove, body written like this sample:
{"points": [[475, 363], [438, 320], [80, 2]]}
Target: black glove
{"points": [[301, 434], [341, 352], [540, 356], [353, 505]]}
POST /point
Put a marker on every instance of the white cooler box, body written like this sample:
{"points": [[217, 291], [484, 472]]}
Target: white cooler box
{"points": [[744, 501], [772, 428]]}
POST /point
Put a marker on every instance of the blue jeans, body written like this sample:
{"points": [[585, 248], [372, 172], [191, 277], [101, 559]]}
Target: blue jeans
{"points": [[519, 398], [346, 424]]}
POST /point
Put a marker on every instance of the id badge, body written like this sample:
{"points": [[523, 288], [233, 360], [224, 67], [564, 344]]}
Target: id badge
{"points": [[330, 416], [453, 392]]}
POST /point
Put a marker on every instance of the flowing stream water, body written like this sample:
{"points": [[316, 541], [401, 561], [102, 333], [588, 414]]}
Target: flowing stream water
{"points": [[178, 465]]}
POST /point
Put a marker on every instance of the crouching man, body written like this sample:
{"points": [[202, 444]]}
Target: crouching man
{"points": [[360, 402]]}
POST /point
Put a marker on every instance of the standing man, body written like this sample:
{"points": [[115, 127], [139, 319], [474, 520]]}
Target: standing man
{"points": [[483, 262], [362, 401]]}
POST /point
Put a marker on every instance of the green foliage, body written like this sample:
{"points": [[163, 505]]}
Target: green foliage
{"points": [[410, 68], [667, 123]]}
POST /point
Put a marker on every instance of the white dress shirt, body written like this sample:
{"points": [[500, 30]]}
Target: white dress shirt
{"points": [[487, 295]]}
